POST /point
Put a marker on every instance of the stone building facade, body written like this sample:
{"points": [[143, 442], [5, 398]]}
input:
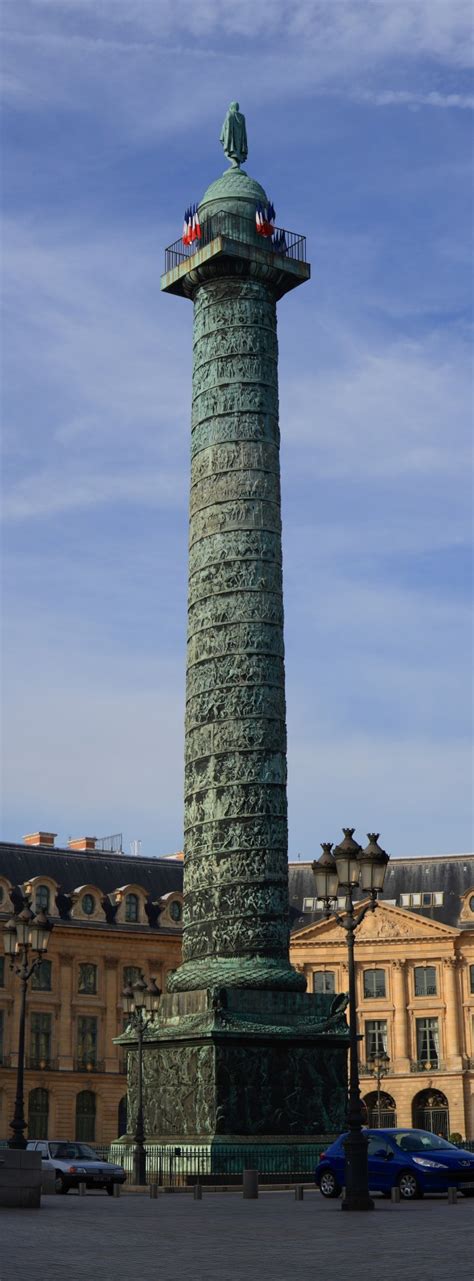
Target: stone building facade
{"points": [[415, 987], [114, 917]]}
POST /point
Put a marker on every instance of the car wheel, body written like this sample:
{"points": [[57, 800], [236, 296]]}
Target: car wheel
{"points": [[409, 1186], [61, 1185], [328, 1184]]}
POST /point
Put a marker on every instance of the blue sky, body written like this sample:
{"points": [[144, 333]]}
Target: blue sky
{"points": [[359, 116]]}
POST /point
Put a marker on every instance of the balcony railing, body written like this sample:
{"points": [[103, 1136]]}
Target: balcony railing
{"points": [[86, 1064], [287, 244], [426, 1065], [41, 1063]]}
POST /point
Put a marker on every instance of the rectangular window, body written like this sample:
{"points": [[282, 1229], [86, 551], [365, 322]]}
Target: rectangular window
{"points": [[415, 900], [308, 904], [86, 1041], [427, 1041], [87, 982], [324, 981], [374, 983], [405, 900], [375, 1038], [131, 975], [425, 980], [40, 1039], [41, 977], [2, 971], [438, 897], [471, 979], [1, 1036], [427, 899]]}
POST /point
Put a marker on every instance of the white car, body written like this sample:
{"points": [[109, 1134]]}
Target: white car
{"points": [[75, 1163]]}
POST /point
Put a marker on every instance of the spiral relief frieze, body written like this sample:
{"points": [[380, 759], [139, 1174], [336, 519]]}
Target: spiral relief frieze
{"points": [[235, 875]]}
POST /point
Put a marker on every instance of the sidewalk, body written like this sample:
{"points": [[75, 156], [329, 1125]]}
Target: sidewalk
{"points": [[224, 1238]]}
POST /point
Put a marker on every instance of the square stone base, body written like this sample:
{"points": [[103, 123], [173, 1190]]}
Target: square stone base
{"points": [[237, 1065]]}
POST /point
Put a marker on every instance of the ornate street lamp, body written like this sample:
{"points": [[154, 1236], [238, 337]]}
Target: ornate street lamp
{"points": [[339, 874], [23, 935], [140, 1003]]}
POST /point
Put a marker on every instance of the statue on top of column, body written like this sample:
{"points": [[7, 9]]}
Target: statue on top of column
{"points": [[234, 136]]}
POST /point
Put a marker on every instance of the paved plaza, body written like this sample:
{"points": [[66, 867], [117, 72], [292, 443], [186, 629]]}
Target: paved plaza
{"points": [[224, 1238]]}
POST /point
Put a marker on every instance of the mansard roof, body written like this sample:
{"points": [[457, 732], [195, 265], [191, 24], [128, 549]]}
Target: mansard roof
{"points": [[71, 868], [450, 874]]}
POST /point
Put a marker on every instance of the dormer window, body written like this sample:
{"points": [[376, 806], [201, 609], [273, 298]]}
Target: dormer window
{"points": [[131, 908], [88, 904], [42, 897]]}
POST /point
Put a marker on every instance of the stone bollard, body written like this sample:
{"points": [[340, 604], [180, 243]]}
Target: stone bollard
{"points": [[250, 1184], [299, 1192], [452, 1196], [153, 1190], [116, 1189], [82, 1189], [197, 1192], [395, 1195]]}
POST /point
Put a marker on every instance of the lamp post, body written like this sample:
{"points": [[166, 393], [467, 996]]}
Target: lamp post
{"points": [[379, 1066], [339, 873], [25, 940], [140, 1003]]}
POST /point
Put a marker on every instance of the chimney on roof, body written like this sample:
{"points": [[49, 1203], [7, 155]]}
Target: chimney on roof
{"points": [[40, 838], [82, 843]]}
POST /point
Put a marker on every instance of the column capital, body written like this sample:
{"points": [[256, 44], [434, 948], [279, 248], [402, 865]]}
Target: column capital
{"points": [[66, 958], [399, 964]]}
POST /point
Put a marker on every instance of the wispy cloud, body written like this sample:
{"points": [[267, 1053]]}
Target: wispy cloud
{"points": [[410, 98], [70, 53]]}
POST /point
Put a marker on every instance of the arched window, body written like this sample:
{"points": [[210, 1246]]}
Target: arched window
{"points": [[431, 1112], [42, 897], [85, 1116], [38, 1113], [387, 1119], [122, 1117], [131, 907]]}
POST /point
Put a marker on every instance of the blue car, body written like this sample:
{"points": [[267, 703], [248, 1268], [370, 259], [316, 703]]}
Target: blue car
{"points": [[415, 1161]]}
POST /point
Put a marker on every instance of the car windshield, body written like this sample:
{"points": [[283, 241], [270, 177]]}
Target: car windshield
{"points": [[71, 1151], [420, 1141]]}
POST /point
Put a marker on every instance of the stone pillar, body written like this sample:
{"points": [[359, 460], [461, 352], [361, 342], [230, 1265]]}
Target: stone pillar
{"points": [[110, 1053], [66, 1022], [451, 996], [400, 1018]]}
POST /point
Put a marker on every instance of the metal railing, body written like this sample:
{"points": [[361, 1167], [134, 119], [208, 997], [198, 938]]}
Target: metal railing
{"points": [[426, 1065], [287, 244], [182, 1166], [84, 1064], [39, 1062]]}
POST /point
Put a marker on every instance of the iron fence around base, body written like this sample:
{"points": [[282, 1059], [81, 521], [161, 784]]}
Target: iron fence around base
{"points": [[182, 1166]]}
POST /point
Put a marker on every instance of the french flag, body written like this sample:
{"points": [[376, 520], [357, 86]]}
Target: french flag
{"points": [[196, 226], [187, 227]]}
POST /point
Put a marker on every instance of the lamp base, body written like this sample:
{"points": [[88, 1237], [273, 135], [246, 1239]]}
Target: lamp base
{"points": [[355, 1202]]}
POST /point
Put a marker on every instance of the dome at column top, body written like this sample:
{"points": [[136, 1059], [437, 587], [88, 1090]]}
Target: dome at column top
{"points": [[235, 192]]}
